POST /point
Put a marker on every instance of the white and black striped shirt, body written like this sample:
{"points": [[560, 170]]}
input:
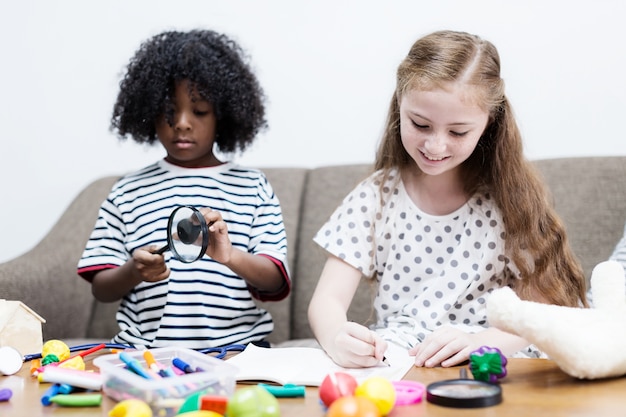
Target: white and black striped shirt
{"points": [[202, 304]]}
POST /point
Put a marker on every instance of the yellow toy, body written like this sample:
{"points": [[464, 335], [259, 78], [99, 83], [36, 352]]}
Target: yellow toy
{"points": [[131, 408]]}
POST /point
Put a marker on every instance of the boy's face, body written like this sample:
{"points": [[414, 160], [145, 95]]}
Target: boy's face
{"points": [[189, 140]]}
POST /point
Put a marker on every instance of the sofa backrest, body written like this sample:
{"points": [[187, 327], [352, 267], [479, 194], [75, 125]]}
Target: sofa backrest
{"points": [[588, 192], [589, 195]]}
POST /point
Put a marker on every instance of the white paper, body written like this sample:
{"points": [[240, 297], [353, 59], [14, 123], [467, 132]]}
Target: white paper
{"points": [[309, 366]]}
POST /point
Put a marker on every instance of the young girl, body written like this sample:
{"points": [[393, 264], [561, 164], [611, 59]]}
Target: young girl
{"points": [[193, 92], [452, 211]]}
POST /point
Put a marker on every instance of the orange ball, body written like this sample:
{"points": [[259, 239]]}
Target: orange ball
{"points": [[353, 407]]}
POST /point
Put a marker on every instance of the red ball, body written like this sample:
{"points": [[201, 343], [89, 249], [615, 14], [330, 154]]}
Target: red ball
{"points": [[336, 385]]}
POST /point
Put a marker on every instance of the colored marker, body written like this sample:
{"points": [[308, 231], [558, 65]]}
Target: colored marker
{"points": [[74, 377], [134, 365], [182, 365], [77, 400], [86, 352], [50, 392], [287, 390], [156, 366]]}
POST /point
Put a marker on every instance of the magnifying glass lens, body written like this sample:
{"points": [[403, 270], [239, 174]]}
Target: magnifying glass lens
{"points": [[187, 231], [187, 234]]}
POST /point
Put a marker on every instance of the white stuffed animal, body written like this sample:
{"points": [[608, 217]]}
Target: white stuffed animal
{"points": [[586, 343]]}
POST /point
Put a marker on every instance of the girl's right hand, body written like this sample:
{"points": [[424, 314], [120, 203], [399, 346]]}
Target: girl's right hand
{"points": [[148, 266], [355, 346]]}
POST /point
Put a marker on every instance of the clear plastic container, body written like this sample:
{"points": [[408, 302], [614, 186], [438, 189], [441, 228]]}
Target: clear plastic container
{"points": [[165, 395]]}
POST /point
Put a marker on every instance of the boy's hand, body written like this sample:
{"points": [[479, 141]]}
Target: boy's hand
{"points": [[220, 247], [148, 266]]}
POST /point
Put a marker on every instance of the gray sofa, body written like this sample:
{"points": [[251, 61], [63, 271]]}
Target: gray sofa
{"points": [[589, 194]]}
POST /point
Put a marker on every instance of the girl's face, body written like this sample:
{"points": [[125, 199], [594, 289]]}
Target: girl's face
{"points": [[189, 141], [440, 128]]}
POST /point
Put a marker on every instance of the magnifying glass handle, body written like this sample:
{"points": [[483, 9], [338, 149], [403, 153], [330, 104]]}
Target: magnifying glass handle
{"points": [[162, 250]]}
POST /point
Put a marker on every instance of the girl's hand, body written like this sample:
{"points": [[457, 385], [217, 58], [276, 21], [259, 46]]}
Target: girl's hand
{"points": [[220, 247], [446, 347], [148, 266], [355, 346]]}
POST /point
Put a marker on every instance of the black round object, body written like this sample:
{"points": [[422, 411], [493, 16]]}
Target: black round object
{"points": [[464, 393]]}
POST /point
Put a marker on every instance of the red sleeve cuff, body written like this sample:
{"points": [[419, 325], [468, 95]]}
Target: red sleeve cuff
{"points": [[281, 293]]}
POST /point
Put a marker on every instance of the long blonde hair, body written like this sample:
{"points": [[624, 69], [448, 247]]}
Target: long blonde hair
{"points": [[535, 236]]}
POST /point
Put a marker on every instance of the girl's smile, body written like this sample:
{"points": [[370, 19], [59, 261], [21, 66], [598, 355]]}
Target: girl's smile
{"points": [[440, 128]]}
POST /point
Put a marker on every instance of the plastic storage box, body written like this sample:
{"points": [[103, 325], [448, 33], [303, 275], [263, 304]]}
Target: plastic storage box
{"points": [[165, 395]]}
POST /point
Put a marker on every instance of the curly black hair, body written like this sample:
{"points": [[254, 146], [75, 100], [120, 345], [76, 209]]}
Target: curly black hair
{"points": [[217, 69]]}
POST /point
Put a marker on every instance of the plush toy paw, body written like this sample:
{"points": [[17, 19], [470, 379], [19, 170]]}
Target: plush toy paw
{"points": [[586, 343]]}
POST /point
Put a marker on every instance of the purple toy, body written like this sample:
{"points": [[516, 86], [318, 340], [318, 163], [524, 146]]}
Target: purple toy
{"points": [[487, 364]]}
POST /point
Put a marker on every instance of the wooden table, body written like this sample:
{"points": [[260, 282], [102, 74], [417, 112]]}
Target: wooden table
{"points": [[533, 387]]}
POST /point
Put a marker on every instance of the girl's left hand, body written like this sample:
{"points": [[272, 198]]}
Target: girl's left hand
{"points": [[445, 347], [220, 246]]}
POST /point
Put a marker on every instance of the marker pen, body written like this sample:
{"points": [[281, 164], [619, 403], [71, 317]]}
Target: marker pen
{"points": [[77, 400], [134, 365], [74, 377], [50, 392]]}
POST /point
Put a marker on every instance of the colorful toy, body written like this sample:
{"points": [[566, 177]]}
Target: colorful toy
{"points": [[336, 385], [200, 413], [352, 406], [408, 392], [487, 364], [586, 343], [380, 391], [54, 351], [131, 408], [252, 401], [207, 402], [5, 394]]}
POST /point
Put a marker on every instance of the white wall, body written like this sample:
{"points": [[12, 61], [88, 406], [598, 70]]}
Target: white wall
{"points": [[327, 67]]}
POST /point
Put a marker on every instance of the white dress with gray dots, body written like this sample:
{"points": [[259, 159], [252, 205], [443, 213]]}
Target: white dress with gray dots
{"points": [[431, 270]]}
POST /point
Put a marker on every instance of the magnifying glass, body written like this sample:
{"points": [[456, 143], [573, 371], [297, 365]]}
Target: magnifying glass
{"points": [[464, 392], [187, 234]]}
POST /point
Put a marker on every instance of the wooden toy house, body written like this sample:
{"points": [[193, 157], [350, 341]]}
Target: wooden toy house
{"points": [[20, 327]]}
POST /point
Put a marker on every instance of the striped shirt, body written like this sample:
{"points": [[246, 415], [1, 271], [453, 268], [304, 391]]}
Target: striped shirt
{"points": [[202, 304]]}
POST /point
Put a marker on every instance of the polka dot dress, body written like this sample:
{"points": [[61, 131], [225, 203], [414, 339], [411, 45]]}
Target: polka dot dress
{"points": [[432, 270]]}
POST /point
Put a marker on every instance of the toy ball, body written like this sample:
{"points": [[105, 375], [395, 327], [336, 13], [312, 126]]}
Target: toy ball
{"points": [[352, 406], [336, 385], [131, 407], [57, 348], [379, 391], [252, 402]]}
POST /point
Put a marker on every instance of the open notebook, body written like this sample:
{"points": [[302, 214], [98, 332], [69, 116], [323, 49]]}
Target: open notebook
{"points": [[309, 366]]}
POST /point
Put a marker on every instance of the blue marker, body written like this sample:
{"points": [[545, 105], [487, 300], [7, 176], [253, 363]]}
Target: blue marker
{"points": [[184, 366], [50, 392], [134, 365]]}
